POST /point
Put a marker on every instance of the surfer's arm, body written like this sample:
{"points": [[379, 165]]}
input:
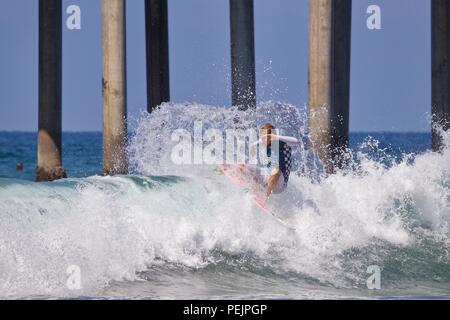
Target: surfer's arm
{"points": [[272, 182], [288, 140], [285, 139]]}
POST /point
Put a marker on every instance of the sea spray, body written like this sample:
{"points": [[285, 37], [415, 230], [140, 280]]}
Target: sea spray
{"points": [[151, 145]]}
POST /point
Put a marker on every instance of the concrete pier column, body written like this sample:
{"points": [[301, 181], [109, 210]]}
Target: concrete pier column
{"points": [[329, 79], [157, 44], [440, 53], [242, 54], [114, 88], [49, 166]]}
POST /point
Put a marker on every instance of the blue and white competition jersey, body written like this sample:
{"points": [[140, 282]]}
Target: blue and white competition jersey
{"points": [[281, 159]]}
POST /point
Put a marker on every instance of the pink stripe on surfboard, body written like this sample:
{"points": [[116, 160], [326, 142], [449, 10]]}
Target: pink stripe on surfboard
{"points": [[231, 175], [257, 201]]}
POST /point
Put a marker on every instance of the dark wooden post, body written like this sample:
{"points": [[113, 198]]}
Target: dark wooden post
{"points": [[242, 54], [440, 53], [49, 165], [157, 34]]}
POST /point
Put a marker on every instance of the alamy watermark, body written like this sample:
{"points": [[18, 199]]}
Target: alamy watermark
{"points": [[374, 281], [214, 147], [74, 277], [73, 21], [374, 20]]}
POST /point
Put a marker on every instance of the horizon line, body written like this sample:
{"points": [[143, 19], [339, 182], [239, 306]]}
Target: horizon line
{"points": [[99, 131]]}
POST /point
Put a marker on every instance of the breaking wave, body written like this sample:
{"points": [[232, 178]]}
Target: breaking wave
{"points": [[164, 218]]}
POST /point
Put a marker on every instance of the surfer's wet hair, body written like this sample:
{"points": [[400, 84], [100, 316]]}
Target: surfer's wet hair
{"points": [[267, 127]]}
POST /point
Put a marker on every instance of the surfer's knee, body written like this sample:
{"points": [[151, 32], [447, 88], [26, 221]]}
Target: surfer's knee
{"points": [[281, 186]]}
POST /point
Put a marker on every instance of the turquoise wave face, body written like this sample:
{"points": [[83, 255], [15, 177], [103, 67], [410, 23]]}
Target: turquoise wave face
{"points": [[171, 231], [164, 229]]}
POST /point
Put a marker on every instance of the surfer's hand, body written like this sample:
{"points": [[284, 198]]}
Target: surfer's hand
{"points": [[266, 195], [273, 137], [272, 182]]}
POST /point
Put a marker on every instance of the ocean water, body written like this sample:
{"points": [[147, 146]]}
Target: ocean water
{"points": [[171, 231]]}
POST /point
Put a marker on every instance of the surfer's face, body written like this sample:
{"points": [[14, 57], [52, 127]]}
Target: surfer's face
{"points": [[265, 136]]}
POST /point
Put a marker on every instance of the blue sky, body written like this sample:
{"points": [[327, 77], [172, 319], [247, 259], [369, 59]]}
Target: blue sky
{"points": [[390, 77]]}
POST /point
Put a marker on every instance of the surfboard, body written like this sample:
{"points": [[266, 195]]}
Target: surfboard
{"points": [[264, 208], [255, 199]]}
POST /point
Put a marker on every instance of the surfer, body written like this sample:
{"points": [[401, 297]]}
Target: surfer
{"points": [[278, 168], [270, 177]]}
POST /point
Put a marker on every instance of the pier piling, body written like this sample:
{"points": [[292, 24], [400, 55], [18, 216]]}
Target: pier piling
{"points": [[440, 52], [157, 45], [242, 54], [114, 88], [49, 165], [329, 80]]}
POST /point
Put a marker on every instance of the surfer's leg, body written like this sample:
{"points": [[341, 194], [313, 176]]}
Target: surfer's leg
{"points": [[255, 178], [256, 174], [281, 186]]}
